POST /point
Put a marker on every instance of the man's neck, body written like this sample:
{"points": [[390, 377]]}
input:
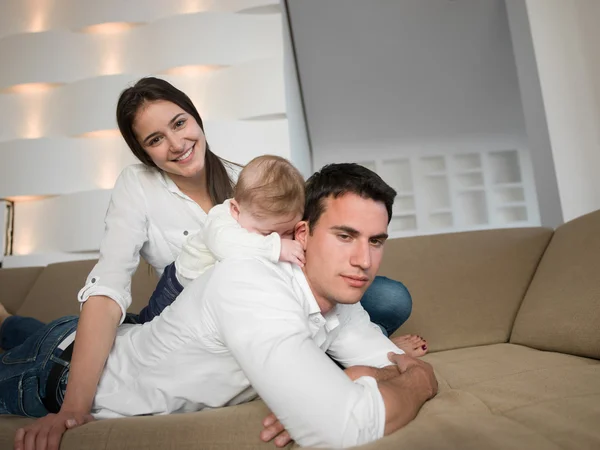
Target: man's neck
{"points": [[325, 305]]}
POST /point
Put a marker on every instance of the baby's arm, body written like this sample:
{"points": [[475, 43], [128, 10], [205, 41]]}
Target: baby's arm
{"points": [[225, 237]]}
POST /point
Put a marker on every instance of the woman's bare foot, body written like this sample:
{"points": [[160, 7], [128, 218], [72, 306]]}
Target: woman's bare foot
{"points": [[412, 345], [3, 313]]}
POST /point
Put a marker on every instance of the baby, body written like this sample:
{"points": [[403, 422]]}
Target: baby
{"points": [[259, 220]]}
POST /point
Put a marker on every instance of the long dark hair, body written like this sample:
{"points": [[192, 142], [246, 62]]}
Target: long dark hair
{"points": [[150, 89]]}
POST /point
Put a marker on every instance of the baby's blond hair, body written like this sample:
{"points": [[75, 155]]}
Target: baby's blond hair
{"points": [[270, 186]]}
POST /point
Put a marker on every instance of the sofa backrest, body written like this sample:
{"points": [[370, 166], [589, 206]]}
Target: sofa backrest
{"points": [[466, 287], [561, 310], [54, 292], [15, 284]]}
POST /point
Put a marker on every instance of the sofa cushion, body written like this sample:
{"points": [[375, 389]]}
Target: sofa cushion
{"points": [[501, 396], [15, 284], [54, 293], [561, 310], [232, 428], [506, 396], [466, 287]]}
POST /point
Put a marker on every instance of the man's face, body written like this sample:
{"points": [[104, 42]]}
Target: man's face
{"points": [[344, 251]]}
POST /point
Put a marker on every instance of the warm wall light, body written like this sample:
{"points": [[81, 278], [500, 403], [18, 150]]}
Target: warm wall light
{"points": [[194, 6], [33, 122], [110, 27], [193, 70], [99, 134], [30, 88], [38, 20], [27, 198]]}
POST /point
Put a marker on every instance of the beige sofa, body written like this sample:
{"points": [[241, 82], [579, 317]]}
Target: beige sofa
{"points": [[513, 322]]}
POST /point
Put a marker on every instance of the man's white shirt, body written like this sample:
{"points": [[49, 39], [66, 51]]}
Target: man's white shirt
{"points": [[250, 327]]}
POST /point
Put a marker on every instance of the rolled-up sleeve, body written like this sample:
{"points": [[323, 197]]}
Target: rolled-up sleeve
{"points": [[266, 329], [360, 342], [125, 233]]}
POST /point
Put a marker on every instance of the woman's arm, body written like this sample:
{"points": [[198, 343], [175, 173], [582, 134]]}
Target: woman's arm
{"points": [[96, 332], [105, 299]]}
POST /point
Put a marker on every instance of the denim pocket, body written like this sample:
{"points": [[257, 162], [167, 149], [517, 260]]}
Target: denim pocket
{"points": [[29, 350], [30, 403]]}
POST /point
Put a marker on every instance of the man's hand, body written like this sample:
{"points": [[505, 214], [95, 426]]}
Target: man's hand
{"points": [[292, 251], [46, 432], [406, 363]]}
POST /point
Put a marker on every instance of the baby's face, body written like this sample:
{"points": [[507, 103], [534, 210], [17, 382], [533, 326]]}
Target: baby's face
{"points": [[282, 225]]}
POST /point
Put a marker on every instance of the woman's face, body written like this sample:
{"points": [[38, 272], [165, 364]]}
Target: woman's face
{"points": [[171, 137]]}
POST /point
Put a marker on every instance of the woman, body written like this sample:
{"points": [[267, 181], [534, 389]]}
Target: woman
{"points": [[154, 207]]}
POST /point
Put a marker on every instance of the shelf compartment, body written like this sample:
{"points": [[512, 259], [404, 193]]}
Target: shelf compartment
{"points": [[437, 193], [509, 195], [397, 173], [467, 162], [433, 164], [472, 207], [513, 214], [469, 180], [405, 223], [505, 167], [440, 220], [403, 204]]}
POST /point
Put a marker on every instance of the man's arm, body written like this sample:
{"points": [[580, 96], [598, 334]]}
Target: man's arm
{"points": [[400, 388]]}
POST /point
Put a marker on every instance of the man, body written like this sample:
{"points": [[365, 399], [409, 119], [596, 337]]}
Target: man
{"points": [[251, 327]]}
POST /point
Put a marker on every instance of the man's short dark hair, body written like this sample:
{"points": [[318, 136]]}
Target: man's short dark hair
{"points": [[335, 180]]}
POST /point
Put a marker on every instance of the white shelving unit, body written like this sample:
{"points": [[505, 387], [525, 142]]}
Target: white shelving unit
{"points": [[458, 191]]}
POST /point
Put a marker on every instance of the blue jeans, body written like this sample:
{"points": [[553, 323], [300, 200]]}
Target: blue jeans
{"points": [[165, 293], [24, 370], [387, 301]]}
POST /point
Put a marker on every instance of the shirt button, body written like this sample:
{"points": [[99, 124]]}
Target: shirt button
{"points": [[316, 320], [93, 280], [185, 233]]}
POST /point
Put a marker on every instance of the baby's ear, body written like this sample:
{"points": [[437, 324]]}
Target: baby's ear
{"points": [[301, 233], [234, 209]]}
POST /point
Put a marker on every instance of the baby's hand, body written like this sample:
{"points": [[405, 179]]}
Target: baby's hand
{"points": [[292, 251]]}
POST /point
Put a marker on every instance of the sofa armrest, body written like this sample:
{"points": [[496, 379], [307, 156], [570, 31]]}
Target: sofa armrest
{"points": [[15, 284]]}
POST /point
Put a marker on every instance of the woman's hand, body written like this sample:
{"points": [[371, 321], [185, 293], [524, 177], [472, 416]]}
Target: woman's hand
{"points": [[46, 432], [275, 430]]}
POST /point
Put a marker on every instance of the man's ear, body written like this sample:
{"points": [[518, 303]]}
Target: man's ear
{"points": [[301, 233], [234, 209]]}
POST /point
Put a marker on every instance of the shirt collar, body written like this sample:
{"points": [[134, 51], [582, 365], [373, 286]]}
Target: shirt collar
{"points": [[170, 185], [331, 318]]}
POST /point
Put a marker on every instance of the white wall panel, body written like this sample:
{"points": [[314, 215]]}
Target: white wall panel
{"points": [[68, 61], [21, 16], [240, 141], [56, 224], [203, 38], [65, 103], [54, 166], [248, 90], [52, 56], [65, 56]]}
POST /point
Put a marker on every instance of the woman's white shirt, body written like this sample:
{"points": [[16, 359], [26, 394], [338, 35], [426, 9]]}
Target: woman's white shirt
{"points": [[149, 216]]}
